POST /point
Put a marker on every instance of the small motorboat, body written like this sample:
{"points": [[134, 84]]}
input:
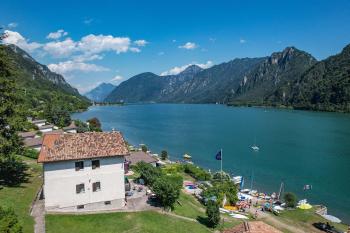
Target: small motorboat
{"points": [[187, 156], [255, 148]]}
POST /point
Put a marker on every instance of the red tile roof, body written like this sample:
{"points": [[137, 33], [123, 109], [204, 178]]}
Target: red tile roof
{"points": [[252, 227], [61, 147]]}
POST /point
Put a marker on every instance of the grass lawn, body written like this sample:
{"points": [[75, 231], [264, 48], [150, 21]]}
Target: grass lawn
{"points": [[20, 198], [305, 218], [189, 207], [148, 221]]}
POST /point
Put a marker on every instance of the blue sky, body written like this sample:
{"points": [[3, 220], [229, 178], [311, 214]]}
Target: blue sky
{"points": [[102, 41]]}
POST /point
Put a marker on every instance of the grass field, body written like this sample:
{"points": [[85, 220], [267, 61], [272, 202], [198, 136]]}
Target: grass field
{"points": [[189, 207], [20, 198], [144, 222]]}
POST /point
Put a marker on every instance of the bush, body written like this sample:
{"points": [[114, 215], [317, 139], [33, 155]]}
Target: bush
{"points": [[213, 213], [167, 189], [144, 148], [164, 155], [197, 172], [220, 190], [31, 153], [290, 199], [9, 221], [12, 170]]}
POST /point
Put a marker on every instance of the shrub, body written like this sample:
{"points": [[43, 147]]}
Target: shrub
{"points": [[197, 172], [164, 155], [9, 221], [31, 153], [213, 213], [147, 172], [144, 148], [167, 189], [290, 199]]}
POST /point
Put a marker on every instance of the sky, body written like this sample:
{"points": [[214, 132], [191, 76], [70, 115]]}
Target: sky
{"points": [[90, 42]]}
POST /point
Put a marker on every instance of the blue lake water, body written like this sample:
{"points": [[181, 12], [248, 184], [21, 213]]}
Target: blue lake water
{"points": [[296, 147]]}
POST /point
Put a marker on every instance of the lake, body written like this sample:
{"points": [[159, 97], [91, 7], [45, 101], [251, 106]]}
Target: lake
{"points": [[296, 147]]}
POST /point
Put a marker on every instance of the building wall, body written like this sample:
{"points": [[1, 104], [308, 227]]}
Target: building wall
{"points": [[61, 178]]}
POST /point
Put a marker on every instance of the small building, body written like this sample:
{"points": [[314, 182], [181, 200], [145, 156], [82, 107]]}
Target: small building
{"points": [[72, 128], [39, 122], [83, 171], [139, 156], [33, 143], [45, 128], [24, 135]]}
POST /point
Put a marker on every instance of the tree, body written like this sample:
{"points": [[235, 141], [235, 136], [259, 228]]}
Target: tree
{"points": [[147, 172], [82, 126], [144, 148], [164, 155], [167, 189], [213, 213], [220, 190], [9, 221], [290, 199], [94, 124]]}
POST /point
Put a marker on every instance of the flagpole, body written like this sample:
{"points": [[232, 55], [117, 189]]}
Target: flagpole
{"points": [[221, 165]]}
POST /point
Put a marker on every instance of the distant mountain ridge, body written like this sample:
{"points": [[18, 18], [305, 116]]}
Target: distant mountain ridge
{"points": [[99, 93], [291, 78]]}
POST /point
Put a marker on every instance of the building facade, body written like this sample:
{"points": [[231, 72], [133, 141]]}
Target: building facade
{"points": [[83, 172]]}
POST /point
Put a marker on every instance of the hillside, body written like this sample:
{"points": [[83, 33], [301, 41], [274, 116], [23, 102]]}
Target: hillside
{"points": [[36, 84], [260, 85], [325, 86], [99, 93]]}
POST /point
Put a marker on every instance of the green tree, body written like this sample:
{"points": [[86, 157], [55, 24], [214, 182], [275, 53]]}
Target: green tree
{"points": [[9, 221], [147, 172], [82, 126], [144, 148], [167, 189], [290, 199], [94, 124], [164, 155], [220, 190], [213, 213]]}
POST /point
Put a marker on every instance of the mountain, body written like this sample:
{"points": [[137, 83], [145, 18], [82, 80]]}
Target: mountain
{"points": [[260, 85], [99, 93], [325, 86], [193, 85], [39, 86]]}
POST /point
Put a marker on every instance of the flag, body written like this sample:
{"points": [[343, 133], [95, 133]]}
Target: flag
{"points": [[307, 187], [218, 155]]}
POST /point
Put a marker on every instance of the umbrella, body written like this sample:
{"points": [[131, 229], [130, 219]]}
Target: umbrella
{"points": [[331, 218], [305, 206]]}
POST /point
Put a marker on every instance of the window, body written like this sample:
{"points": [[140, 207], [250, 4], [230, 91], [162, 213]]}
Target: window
{"points": [[79, 207], [79, 165], [80, 188], [107, 202], [96, 186], [95, 164]]}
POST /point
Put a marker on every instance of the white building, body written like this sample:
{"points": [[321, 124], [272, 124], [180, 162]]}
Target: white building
{"points": [[39, 123], [83, 171], [72, 128], [46, 128]]}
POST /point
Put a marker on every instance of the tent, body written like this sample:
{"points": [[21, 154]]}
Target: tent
{"points": [[305, 206]]}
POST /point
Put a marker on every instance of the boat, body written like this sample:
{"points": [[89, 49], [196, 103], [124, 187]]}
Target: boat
{"points": [[239, 216], [187, 156], [237, 179], [255, 148]]}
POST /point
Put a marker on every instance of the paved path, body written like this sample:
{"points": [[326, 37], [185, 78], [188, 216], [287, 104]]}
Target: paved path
{"points": [[38, 212]]}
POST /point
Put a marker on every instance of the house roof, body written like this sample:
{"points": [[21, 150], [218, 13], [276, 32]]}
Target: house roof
{"points": [[139, 156], [30, 142], [71, 126], [58, 131], [253, 227], [27, 134], [46, 127], [39, 121], [61, 147]]}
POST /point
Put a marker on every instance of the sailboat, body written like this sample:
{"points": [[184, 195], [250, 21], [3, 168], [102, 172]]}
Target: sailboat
{"points": [[255, 147]]}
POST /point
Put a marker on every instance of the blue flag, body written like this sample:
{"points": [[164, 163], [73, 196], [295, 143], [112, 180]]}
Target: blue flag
{"points": [[218, 155]]}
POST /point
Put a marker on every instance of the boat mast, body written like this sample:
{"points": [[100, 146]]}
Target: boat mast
{"points": [[279, 193]]}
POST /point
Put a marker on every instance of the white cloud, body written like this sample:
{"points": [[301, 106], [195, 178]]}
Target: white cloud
{"points": [[242, 41], [140, 42], [173, 40], [56, 35], [12, 25], [135, 50], [17, 39], [70, 66], [87, 57], [117, 79], [188, 45], [63, 48], [100, 43], [179, 69]]}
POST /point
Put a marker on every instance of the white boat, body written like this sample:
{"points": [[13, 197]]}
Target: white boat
{"points": [[255, 148], [237, 179], [239, 216], [245, 190]]}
